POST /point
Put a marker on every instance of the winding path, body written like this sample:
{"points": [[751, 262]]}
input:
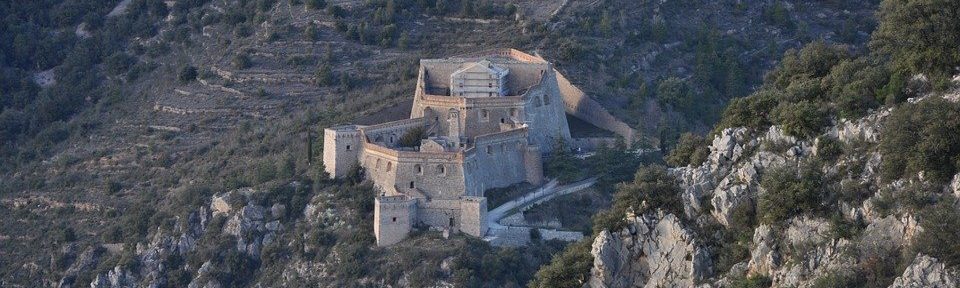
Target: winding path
{"points": [[496, 232]]}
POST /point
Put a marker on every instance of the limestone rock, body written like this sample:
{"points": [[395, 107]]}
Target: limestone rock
{"points": [[807, 231], [765, 256], [887, 234], [653, 251], [926, 271]]}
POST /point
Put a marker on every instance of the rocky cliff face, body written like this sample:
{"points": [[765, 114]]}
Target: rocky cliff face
{"points": [[662, 250], [653, 249]]}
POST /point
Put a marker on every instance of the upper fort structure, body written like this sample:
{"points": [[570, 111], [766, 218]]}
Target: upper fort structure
{"points": [[478, 122]]}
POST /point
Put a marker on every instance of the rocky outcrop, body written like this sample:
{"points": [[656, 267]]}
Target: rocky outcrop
{"points": [[731, 175], [654, 250], [926, 271]]}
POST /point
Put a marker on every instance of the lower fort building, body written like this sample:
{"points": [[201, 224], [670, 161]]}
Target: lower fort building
{"points": [[478, 122]]}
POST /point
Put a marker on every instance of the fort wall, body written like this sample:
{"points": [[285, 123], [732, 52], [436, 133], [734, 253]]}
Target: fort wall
{"points": [[473, 215], [341, 146], [580, 105], [393, 218], [389, 133], [493, 161], [545, 117]]}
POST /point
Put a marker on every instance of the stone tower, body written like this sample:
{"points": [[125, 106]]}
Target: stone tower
{"points": [[341, 146]]}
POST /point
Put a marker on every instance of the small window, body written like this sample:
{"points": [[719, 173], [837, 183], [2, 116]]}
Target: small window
{"points": [[489, 151], [451, 221], [419, 170], [503, 121], [546, 99], [484, 114], [411, 185], [394, 219], [348, 147], [389, 166], [513, 112], [490, 85], [441, 170]]}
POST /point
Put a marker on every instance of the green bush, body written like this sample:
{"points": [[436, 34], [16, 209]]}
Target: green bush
{"points": [[561, 164], [940, 232], [789, 192], [676, 93], [316, 4], [922, 137], [412, 137], [651, 188], [187, 74], [803, 119], [570, 269], [829, 148], [750, 111], [241, 61], [919, 36], [691, 150], [755, 281]]}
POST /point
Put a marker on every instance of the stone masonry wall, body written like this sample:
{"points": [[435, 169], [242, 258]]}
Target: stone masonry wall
{"points": [[341, 145], [392, 219], [473, 214], [580, 105]]}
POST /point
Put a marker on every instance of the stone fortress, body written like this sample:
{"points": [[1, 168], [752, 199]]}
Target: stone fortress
{"points": [[478, 122]]}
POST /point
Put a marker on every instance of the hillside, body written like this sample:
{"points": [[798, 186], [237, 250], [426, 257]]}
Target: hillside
{"points": [[839, 171], [177, 143]]}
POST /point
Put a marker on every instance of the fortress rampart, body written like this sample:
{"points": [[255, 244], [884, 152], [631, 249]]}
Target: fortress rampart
{"points": [[489, 131]]}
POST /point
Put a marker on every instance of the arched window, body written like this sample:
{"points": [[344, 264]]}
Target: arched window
{"points": [[389, 166]]}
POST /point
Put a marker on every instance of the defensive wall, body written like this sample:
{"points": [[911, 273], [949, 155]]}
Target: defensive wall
{"points": [[581, 106]]}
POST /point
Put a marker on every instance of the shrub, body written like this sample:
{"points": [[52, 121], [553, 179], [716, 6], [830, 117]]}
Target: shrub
{"points": [[187, 74], [691, 150], [940, 232], [802, 120], [311, 33], [675, 93], [561, 164], [316, 4], [336, 11], [412, 137], [789, 192], [569, 269], [751, 111], [324, 77], [829, 148], [651, 188], [922, 137], [933, 51], [241, 61], [754, 281]]}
